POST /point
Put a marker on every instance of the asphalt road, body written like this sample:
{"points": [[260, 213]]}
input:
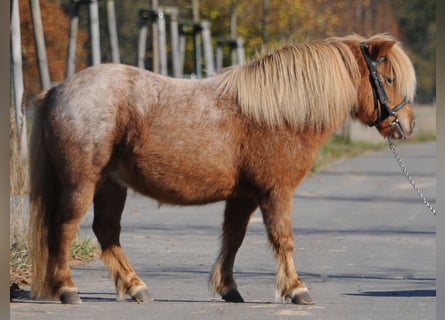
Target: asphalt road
{"points": [[364, 245]]}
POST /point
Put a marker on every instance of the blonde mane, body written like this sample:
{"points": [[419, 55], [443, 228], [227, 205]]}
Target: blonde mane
{"points": [[311, 85]]}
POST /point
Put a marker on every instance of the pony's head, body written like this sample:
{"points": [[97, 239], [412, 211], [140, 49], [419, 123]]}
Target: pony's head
{"points": [[386, 87]]}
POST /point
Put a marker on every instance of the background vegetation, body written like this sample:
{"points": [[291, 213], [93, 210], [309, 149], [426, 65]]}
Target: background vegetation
{"points": [[264, 25]]}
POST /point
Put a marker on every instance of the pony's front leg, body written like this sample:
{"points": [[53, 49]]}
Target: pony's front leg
{"points": [[109, 203], [236, 219], [276, 209]]}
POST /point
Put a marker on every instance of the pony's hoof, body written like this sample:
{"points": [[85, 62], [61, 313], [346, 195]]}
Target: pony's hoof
{"points": [[233, 296], [70, 297], [302, 298], [142, 295]]}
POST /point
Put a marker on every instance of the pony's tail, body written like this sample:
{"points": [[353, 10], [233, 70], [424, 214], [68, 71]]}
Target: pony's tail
{"points": [[42, 201]]}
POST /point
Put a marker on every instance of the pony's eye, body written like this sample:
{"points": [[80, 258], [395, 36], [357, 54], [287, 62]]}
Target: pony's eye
{"points": [[390, 81]]}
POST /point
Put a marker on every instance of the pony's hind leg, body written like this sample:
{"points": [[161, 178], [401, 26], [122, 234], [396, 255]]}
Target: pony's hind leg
{"points": [[236, 218], [276, 209], [72, 207], [109, 203]]}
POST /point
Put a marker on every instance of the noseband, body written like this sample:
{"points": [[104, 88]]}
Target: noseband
{"points": [[378, 91]]}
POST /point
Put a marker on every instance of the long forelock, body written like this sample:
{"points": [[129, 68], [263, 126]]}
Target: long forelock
{"points": [[403, 72]]}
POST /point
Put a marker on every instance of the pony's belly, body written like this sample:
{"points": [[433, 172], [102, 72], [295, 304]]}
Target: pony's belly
{"points": [[179, 187]]}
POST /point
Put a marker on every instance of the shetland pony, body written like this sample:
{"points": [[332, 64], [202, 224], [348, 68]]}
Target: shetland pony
{"points": [[247, 136]]}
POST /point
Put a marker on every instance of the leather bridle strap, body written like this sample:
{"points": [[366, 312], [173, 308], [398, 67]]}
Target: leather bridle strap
{"points": [[380, 99]]}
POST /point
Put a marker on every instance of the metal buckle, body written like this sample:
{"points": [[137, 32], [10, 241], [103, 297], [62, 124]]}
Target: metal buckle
{"points": [[398, 126]]}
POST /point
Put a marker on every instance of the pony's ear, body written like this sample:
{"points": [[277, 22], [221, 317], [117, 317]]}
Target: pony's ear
{"points": [[380, 48]]}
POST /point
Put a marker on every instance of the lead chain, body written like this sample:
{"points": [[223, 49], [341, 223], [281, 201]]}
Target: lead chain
{"points": [[407, 175]]}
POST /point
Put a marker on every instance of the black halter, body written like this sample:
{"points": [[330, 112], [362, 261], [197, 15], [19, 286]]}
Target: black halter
{"points": [[380, 99]]}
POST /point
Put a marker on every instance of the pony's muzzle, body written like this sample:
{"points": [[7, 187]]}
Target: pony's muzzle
{"points": [[401, 131]]}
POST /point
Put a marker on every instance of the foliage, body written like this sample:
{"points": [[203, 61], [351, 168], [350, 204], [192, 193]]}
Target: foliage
{"points": [[268, 24], [264, 25], [417, 21]]}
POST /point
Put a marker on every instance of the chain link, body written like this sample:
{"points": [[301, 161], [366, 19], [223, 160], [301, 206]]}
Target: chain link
{"points": [[407, 175]]}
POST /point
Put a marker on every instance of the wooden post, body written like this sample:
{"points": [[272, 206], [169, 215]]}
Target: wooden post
{"points": [[182, 43], [72, 43], [112, 30], [233, 33], [39, 40], [162, 42], [17, 72], [240, 50], [94, 32], [195, 10], [142, 38], [236, 47], [197, 39], [155, 41], [208, 52], [219, 56], [197, 52], [160, 56], [174, 40]]}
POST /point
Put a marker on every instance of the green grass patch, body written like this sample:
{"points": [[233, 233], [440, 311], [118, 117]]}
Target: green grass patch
{"points": [[338, 147], [424, 137], [83, 250]]}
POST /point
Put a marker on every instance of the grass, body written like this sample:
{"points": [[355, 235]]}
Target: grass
{"points": [[83, 250], [338, 147], [19, 247], [424, 137]]}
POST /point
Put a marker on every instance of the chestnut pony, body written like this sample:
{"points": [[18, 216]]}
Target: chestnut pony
{"points": [[247, 136]]}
